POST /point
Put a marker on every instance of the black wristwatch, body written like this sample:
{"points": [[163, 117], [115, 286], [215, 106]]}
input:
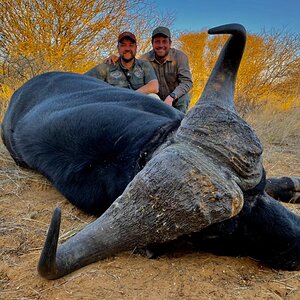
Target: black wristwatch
{"points": [[175, 99]]}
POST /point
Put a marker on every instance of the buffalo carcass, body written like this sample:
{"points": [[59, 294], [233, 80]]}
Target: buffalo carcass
{"points": [[154, 174]]}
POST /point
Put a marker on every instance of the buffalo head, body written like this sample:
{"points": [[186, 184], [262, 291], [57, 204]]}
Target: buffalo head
{"points": [[196, 178]]}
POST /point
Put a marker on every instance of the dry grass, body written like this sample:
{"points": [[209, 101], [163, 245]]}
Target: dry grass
{"points": [[279, 132], [14, 179], [276, 127]]}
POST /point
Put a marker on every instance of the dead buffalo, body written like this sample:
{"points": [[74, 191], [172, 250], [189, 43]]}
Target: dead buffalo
{"points": [[152, 174]]}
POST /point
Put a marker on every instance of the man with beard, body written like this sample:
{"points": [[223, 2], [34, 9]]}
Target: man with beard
{"points": [[172, 70], [171, 67], [128, 72]]}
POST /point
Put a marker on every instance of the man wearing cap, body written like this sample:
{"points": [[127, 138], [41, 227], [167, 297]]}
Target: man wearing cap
{"points": [[129, 72], [172, 69]]}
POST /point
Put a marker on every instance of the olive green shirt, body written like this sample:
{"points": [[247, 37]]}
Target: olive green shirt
{"points": [[174, 75], [140, 74]]}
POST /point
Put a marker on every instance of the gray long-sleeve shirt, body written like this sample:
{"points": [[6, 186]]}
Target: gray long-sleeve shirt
{"points": [[173, 74]]}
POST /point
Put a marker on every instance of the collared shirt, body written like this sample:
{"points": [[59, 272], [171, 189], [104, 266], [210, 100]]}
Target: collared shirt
{"points": [[140, 74], [174, 75]]}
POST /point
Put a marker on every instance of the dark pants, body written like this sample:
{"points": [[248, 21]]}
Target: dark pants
{"points": [[183, 103]]}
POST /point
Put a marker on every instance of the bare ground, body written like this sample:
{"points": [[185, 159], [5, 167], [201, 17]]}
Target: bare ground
{"points": [[26, 204]]}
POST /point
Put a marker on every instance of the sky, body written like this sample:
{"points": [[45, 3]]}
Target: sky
{"points": [[255, 15]]}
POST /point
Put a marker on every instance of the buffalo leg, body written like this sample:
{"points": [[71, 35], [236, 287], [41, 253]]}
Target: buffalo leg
{"points": [[286, 189]]}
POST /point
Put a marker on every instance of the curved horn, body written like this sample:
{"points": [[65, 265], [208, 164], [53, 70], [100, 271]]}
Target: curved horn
{"points": [[221, 83], [158, 205], [46, 265]]}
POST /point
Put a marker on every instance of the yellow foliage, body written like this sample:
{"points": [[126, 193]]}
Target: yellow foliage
{"points": [[40, 36], [286, 104], [270, 68], [5, 92], [197, 63]]}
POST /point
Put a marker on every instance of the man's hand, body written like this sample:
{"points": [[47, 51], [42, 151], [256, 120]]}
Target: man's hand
{"points": [[169, 100], [111, 60]]}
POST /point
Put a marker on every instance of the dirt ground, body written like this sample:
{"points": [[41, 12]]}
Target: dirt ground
{"points": [[26, 204]]}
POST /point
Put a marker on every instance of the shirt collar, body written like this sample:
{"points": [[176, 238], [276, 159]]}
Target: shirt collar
{"points": [[169, 56], [124, 68]]}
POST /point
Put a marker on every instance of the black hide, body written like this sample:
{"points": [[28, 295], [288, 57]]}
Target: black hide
{"points": [[87, 137]]}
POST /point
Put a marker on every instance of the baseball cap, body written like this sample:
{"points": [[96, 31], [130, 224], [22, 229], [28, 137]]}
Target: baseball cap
{"points": [[126, 34], [161, 31]]}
